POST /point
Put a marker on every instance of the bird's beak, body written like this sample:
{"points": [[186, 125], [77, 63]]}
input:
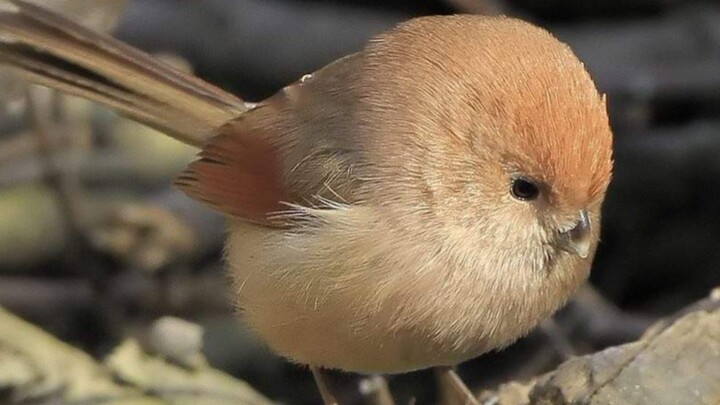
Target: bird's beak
{"points": [[578, 239]]}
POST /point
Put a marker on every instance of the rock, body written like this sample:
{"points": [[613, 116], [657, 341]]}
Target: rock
{"points": [[676, 362]]}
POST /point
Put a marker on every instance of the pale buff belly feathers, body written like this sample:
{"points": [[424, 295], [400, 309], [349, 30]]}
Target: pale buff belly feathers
{"points": [[335, 297]]}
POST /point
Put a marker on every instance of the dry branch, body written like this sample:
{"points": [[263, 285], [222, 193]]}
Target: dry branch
{"points": [[676, 362], [39, 369], [178, 385]]}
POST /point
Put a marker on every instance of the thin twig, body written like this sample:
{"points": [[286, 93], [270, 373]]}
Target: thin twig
{"points": [[44, 125]]}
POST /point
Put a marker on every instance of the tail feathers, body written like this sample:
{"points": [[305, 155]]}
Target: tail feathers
{"points": [[54, 52]]}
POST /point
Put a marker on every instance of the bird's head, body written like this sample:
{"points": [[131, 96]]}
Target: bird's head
{"points": [[499, 129]]}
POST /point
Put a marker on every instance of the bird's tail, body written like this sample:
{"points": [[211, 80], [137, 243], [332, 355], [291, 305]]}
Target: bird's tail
{"points": [[50, 50]]}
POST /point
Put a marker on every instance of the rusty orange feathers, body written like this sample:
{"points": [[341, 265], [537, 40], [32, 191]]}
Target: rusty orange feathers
{"points": [[453, 83], [391, 173], [423, 201]]}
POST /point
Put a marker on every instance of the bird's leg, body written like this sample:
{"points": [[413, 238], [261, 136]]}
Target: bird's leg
{"points": [[323, 386], [558, 339], [375, 391], [453, 390]]}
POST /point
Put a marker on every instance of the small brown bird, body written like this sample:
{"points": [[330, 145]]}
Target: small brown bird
{"points": [[416, 204]]}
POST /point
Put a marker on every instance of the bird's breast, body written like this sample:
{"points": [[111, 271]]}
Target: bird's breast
{"points": [[350, 294]]}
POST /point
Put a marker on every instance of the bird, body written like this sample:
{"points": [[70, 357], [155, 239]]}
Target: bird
{"points": [[423, 201]]}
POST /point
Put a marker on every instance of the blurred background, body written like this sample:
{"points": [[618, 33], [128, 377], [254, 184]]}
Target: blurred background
{"points": [[95, 245]]}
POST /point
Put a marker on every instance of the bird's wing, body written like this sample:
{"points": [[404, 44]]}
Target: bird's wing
{"points": [[253, 163], [294, 149]]}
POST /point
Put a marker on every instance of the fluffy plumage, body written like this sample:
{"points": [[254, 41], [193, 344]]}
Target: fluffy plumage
{"points": [[423, 258], [373, 227]]}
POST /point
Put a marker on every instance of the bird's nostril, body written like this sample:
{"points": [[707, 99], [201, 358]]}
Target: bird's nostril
{"points": [[578, 239], [581, 228]]}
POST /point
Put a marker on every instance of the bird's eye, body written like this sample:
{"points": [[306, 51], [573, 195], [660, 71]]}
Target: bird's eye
{"points": [[524, 189]]}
